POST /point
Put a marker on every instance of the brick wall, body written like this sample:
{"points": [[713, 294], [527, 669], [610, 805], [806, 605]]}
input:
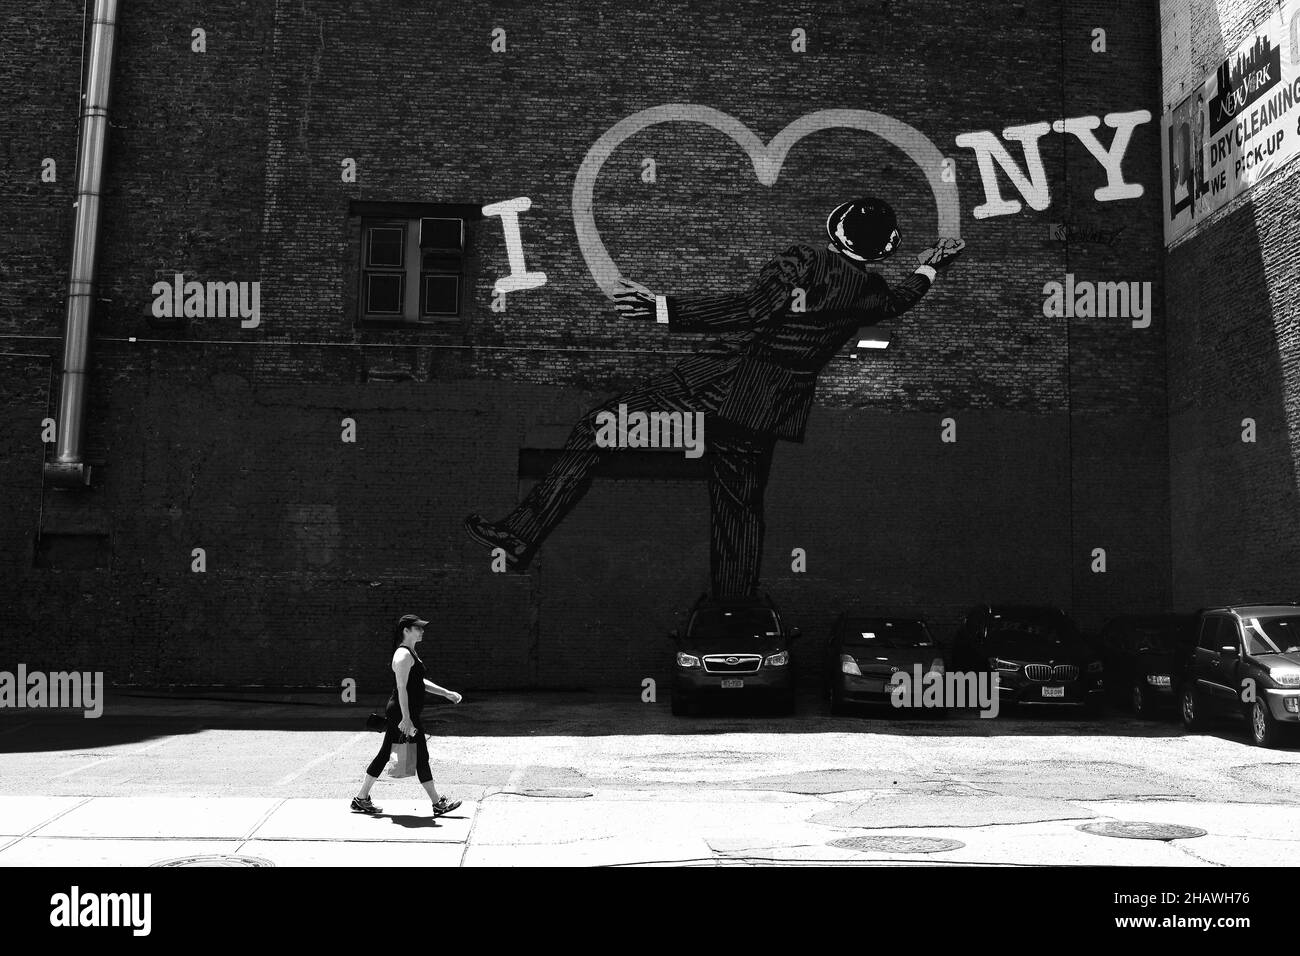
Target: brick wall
{"points": [[226, 165], [1234, 300]]}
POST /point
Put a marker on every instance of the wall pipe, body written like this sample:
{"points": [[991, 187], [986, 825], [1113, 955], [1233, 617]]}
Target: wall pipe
{"points": [[68, 468]]}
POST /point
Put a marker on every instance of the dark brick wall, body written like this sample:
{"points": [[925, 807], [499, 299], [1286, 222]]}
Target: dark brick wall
{"points": [[226, 166], [39, 64], [1118, 439]]}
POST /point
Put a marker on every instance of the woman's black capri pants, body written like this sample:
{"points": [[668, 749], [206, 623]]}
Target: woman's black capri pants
{"points": [[394, 736]]}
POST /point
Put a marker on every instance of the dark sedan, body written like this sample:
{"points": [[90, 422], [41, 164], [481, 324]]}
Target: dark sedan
{"points": [[1143, 660], [864, 653]]}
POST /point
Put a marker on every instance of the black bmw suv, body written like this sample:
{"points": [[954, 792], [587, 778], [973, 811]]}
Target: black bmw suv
{"points": [[733, 648], [1036, 653]]}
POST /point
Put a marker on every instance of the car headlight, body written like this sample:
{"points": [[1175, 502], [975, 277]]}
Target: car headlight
{"points": [[998, 664], [687, 660], [1158, 680], [849, 666], [778, 660], [1094, 667], [1285, 678]]}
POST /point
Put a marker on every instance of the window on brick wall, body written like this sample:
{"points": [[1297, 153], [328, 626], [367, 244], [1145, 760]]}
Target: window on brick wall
{"points": [[383, 292], [413, 260]]}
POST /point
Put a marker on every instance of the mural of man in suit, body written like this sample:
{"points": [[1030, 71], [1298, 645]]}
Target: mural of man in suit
{"points": [[755, 385], [1198, 186]]}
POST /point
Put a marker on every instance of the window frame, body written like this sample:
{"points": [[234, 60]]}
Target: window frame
{"points": [[419, 264], [369, 269], [1225, 631]]}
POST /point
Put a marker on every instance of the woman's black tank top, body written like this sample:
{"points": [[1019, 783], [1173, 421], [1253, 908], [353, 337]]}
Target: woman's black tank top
{"points": [[414, 692]]}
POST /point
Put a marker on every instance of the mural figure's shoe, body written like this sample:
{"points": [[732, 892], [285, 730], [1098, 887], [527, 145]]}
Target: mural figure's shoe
{"points": [[519, 553]]}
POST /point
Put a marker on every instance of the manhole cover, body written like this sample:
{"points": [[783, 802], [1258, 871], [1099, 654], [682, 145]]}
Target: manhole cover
{"points": [[897, 844], [215, 859], [1138, 830], [556, 793]]}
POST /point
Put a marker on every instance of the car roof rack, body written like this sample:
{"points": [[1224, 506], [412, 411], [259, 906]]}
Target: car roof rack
{"points": [[1234, 607]]}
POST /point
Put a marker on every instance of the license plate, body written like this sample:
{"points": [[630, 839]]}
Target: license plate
{"points": [[1053, 691], [730, 683]]}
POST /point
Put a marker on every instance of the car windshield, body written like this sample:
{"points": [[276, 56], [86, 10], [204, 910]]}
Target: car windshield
{"points": [[876, 632], [1272, 635], [745, 622], [1155, 639], [1033, 637]]}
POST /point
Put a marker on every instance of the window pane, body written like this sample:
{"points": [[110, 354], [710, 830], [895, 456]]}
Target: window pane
{"points": [[386, 246], [441, 234], [384, 293], [1209, 638], [441, 262], [441, 295]]}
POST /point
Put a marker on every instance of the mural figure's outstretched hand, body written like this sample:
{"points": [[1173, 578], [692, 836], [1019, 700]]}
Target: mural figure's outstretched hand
{"points": [[942, 253], [633, 300]]}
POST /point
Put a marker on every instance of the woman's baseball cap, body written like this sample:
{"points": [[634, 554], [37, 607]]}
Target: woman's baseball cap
{"points": [[411, 620]]}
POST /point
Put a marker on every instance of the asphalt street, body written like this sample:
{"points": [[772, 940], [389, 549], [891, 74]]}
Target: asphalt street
{"points": [[581, 779]]}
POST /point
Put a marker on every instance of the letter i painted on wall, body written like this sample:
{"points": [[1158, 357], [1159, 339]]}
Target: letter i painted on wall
{"points": [[520, 278]]}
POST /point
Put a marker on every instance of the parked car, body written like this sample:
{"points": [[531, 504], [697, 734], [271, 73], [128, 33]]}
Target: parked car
{"points": [[864, 652], [733, 648], [1037, 654], [1143, 661], [1246, 662]]}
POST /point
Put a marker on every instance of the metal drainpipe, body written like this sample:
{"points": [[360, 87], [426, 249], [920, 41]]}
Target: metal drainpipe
{"points": [[67, 468]]}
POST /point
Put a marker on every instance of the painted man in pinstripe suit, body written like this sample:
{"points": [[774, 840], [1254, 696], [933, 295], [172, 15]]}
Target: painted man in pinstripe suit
{"points": [[756, 384]]}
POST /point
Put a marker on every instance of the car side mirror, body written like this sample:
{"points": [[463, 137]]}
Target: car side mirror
{"points": [[795, 633]]}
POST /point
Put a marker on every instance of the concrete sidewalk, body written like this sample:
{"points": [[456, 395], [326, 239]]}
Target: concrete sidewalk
{"points": [[590, 779], [582, 828]]}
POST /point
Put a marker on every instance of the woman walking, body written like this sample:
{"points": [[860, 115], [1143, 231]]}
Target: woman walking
{"points": [[403, 714]]}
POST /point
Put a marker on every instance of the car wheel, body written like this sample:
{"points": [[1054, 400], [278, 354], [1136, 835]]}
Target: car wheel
{"points": [[838, 707], [1264, 730], [1193, 719]]}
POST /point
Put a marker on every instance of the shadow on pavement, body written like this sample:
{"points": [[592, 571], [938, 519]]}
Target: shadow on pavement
{"points": [[409, 821], [133, 719]]}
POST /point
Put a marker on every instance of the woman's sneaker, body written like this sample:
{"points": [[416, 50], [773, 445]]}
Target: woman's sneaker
{"points": [[363, 805], [442, 806]]}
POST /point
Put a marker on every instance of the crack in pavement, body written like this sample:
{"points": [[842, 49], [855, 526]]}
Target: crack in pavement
{"points": [[955, 826], [1179, 845]]}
